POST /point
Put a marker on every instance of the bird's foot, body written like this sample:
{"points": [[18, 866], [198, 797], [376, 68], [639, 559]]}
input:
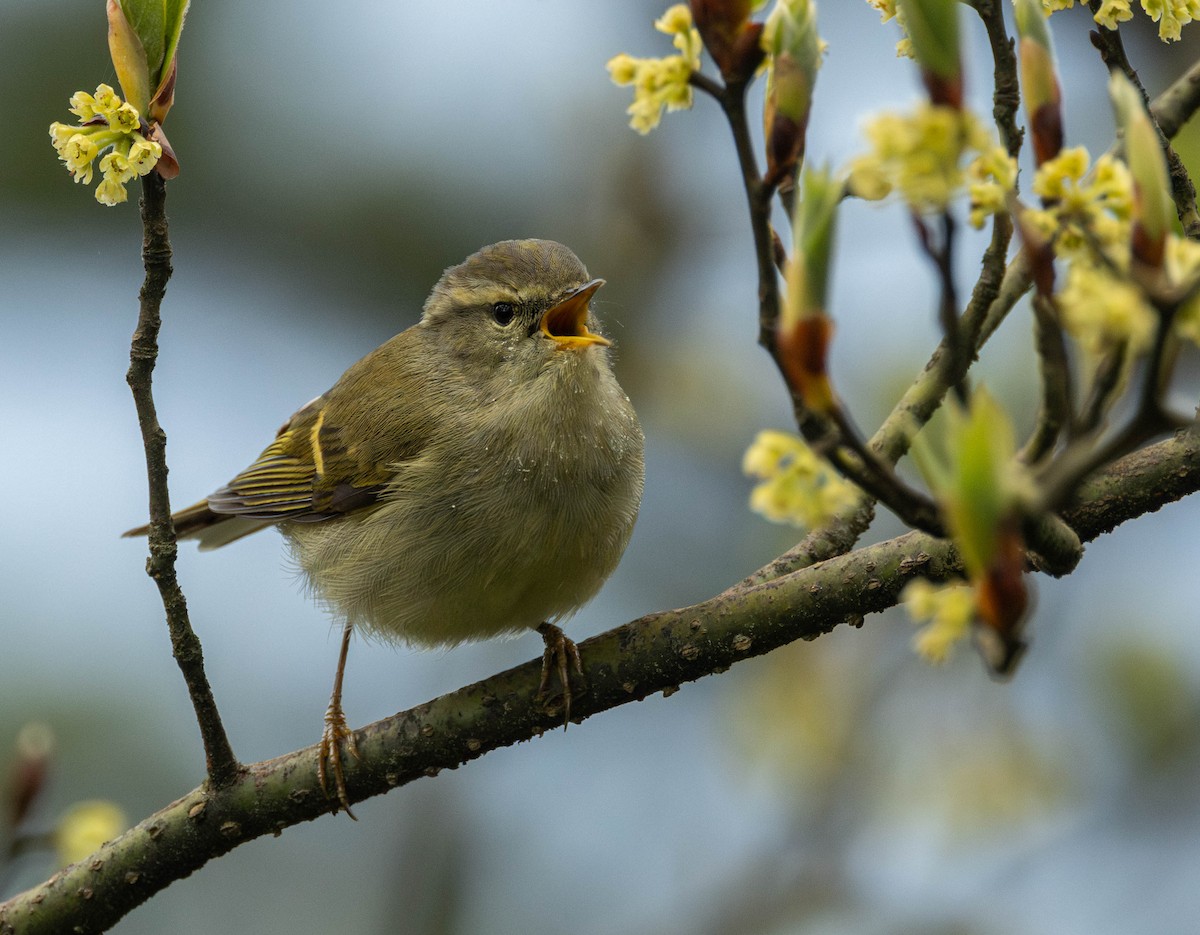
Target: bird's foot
{"points": [[560, 655], [329, 756]]}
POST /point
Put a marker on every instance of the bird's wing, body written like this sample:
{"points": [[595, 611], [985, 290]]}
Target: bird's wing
{"points": [[311, 472]]}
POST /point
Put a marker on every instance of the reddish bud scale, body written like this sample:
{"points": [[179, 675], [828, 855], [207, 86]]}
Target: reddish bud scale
{"points": [[746, 54], [28, 781], [804, 351], [728, 35], [1047, 127], [1147, 249], [785, 147], [944, 91], [1003, 601], [1039, 252], [164, 96]]}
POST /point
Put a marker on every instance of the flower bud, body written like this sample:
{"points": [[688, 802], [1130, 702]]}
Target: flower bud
{"points": [[933, 28], [34, 749], [143, 36], [1152, 210], [805, 328], [1039, 81], [794, 54], [729, 36], [979, 486], [128, 58]]}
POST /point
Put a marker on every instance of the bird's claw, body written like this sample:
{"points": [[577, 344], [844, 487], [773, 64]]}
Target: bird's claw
{"points": [[330, 755], [560, 656]]}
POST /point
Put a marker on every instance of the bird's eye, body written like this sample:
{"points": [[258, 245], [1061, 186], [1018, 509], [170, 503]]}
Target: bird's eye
{"points": [[503, 312]]}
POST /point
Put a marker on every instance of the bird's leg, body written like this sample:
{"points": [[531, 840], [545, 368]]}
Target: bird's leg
{"points": [[337, 730], [560, 655]]}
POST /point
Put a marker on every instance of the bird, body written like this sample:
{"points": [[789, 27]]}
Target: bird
{"points": [[477, 475]]}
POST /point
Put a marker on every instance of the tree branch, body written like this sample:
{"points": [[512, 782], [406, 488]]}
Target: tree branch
{"points": [[222, 766], [655, 653]]}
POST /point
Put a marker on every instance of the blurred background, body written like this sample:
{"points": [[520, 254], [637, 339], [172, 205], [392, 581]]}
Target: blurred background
{"points": [[336, 157]]}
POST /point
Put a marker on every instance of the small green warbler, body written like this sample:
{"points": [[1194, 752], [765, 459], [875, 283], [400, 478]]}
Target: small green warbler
{"points": [[479, 474]]}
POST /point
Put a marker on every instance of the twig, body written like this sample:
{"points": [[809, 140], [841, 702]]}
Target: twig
{"points": [[941, 254], [1175, 106], [1106, 381], [1056, 411], [222, 766], [1006, 96], [653, 654]]}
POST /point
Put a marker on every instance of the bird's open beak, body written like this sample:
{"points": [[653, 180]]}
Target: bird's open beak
{"points": [[566, 322]]}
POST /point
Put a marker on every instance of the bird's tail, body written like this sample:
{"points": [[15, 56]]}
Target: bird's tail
{"points": [[213, 530]]}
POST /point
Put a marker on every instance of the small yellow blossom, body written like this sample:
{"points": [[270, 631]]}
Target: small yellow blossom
{"points": [[678, 19], [920, 155], [947, 611], [83, 105], [992, 175], [1084, 211], [797, 487], [106, 100], [622, 69], [1101, 311], [78, 154], [116, 167], [143, 154], [124, 119], [111, 192], [107, 123], [660, 83], [85, 827], [1112, 12]]}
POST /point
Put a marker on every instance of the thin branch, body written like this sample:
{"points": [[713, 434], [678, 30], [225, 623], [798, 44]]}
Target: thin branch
{"points": [[941, 254], [1056, 412], [1006, 96], [1176, 105], [222, 766], [1105, 384], [656, 653]]}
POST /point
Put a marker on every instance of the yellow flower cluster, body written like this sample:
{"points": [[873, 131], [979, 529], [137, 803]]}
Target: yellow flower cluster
{"points": [[921, 154], [106, 122], [1101, 310], [946, 610], [796, 486], [660, 83], [1171, 15], [1084, 210], [1087, 216]]}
